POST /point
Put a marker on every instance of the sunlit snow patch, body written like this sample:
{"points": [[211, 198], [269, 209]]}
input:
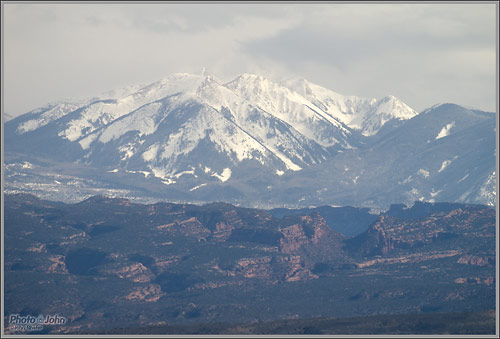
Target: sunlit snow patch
{"points": [[168, 181], [27, 164], [224, 176], [45, 118], [178, 175], [151, 152], [196, 187], [423, 173], [446, 163], [488, 190], [280, 173], [445, 131], [85, 142], [127, 151], [433, 194], [146, 174]]}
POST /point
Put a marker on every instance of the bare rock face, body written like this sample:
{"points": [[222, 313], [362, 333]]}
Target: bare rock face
{"points": [[255, 267], [191, 227], [38, 249], [476, 280], [310, 232], [294, 238], [149, 293], [58, 265], [136, 272], [222, 231], [389, 234], [296, 270], [477, 260], [384, 236], [162, 264], [307, 242]]}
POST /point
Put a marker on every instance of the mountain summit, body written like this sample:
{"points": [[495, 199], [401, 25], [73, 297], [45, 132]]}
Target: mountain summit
{"points": [[365, 115], [191, 136], [250, 117]]}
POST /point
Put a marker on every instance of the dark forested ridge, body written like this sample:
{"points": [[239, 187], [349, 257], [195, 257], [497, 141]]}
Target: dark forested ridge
{"points": [[481, 322], [109, 266]]}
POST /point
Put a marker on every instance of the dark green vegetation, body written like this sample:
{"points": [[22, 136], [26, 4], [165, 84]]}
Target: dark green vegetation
{"points": [[107, 264]]}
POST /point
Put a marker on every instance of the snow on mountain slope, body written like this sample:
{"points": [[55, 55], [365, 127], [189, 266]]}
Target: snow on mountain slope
{"points": [[488, 191], [384, 110], [235, 126], [56, 110], [316, 113], [366, 115], [445, 131], [182, 123], [103, 112], [193, 137], [165, 158], [279, 137], [45, 115], [119, 93], [291, 108]]}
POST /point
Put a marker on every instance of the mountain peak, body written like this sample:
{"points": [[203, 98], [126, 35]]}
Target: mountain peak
{"points": [[317, 113], [389, 98], [365, 115], [192, 136], [250, 76], [247, 79]]}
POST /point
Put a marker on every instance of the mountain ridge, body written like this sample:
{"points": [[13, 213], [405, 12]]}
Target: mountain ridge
{"points": [[252, 139]]}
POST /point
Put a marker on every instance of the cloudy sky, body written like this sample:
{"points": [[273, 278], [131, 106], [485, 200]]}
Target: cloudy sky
{"points": [[421, 53]]}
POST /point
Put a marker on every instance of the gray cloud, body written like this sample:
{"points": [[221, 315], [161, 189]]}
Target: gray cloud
{"points": [[302, 43], [423, 54]]}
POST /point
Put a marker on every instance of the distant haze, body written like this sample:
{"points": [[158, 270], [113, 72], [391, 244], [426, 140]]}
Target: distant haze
{"points": [[421, 53]]}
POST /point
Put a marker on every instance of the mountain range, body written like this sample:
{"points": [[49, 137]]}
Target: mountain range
{"points": [[252, 141]]}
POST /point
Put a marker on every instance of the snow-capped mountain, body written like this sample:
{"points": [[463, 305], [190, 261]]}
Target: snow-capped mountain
{"points": [[444, 154], [249, 118], [365, 115], [196, 137]]}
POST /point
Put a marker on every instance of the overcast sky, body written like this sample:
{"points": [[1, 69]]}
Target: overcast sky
{"points": [[423, 54]]}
